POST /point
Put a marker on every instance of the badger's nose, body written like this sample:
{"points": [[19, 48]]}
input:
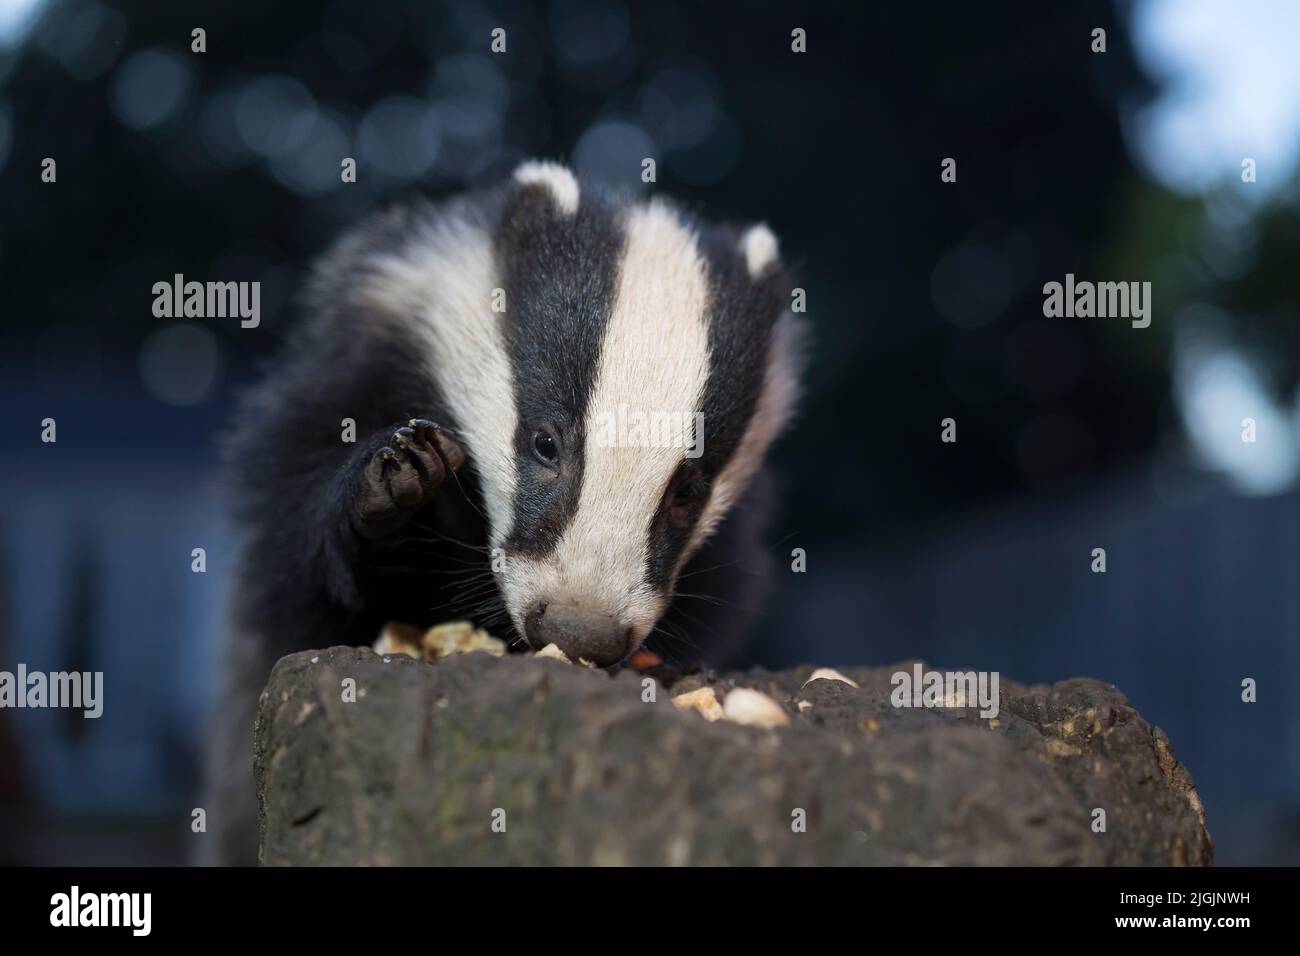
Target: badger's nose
{"points": [[578, 631]]}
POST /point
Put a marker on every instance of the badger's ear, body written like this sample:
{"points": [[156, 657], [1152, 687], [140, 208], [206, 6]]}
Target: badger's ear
{"points": [[551, 180], [759, 247]]}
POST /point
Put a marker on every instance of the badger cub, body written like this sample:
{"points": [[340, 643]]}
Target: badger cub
{"points": [[553, 398]]}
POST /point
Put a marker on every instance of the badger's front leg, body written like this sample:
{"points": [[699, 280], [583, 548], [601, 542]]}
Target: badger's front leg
{"points": [[400, 477], [302, 580]]}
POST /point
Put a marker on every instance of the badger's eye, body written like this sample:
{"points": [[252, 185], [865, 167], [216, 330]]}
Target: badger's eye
{"points": [[689, 493], [545, 447]]}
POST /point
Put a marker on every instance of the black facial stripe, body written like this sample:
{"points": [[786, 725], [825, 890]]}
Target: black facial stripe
{"points": [[742, 313], [668, 536], [560, 276]]}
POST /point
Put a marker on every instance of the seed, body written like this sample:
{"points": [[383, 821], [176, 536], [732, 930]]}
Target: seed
{"points": [[753, 708]]}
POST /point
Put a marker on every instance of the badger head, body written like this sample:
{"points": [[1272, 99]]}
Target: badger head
{"points": [[615, 398]]}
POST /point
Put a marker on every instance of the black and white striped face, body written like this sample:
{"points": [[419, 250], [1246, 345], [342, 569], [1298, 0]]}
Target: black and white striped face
{"points": [[618, 406]]}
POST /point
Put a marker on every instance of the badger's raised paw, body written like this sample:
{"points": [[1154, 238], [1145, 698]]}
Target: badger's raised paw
{"points": [[402, 476]]}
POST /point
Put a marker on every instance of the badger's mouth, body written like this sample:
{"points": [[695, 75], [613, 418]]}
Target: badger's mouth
{"points": [[600, 624], [581, 632]]}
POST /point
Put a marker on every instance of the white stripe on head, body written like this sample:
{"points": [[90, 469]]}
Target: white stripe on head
{"points": [[445, 277], [654, 358]]}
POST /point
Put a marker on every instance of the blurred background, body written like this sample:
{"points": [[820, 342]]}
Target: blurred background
{"points": [[925, 297]]}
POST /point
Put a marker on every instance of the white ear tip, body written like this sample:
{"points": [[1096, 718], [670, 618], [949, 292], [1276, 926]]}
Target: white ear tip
{"points": [[760, 249], [553, 177]]}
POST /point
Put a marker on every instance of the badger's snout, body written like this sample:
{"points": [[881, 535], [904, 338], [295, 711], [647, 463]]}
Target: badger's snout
{"points": [[579, 631]]}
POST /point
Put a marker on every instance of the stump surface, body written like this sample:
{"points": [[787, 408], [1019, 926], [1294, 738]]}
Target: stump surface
{"points": [[431, 761]]}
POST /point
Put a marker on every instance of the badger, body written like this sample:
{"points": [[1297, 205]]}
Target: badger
{"points": [[445, 436]]}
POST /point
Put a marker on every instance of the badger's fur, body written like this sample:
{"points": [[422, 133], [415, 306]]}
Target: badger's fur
{"points": [[523, 321]]}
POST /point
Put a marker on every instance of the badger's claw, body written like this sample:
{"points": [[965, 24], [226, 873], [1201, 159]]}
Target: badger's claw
{"points": [[402, 476]]}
